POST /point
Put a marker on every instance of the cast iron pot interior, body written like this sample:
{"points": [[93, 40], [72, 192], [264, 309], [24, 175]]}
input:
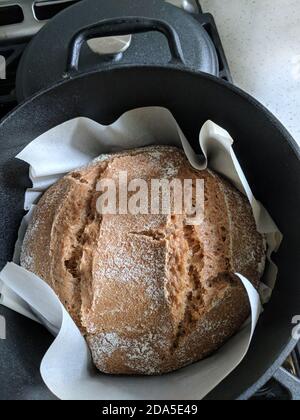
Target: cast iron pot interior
{"points": [[269, 157]]}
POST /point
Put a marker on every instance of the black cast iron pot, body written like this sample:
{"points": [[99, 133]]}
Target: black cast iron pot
{"points": [[269, 156]]}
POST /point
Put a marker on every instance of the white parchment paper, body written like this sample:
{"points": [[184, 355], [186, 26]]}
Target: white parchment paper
{"points": [[67, 367]]}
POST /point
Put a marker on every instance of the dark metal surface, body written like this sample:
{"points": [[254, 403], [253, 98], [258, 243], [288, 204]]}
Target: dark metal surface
{"points": [[20, 357], [209, 24], [123, 26], [12, 54], [44, 61], [290, 382], [193, 98]]}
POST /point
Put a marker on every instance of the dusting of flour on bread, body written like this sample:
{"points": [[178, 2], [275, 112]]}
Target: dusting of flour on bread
{"points": [[150, 293]]}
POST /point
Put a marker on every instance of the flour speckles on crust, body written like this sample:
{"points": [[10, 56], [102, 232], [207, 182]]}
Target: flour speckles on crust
{"points": [[26, 258], [108, 343], [140, 353]]}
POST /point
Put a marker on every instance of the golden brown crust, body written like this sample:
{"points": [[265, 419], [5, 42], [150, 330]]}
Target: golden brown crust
{"points": [[150, 293]]}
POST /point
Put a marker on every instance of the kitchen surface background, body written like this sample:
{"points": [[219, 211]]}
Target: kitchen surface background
{"points": [[261, 39]]}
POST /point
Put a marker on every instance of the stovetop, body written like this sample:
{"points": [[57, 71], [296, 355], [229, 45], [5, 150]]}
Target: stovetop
{"points": [[19, 23]]}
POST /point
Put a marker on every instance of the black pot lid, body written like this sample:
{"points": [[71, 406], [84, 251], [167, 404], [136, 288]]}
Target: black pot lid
{"points": [[45, 59]]}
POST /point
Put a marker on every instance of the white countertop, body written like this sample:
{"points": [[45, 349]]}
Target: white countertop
{"points": [[261, 39]]}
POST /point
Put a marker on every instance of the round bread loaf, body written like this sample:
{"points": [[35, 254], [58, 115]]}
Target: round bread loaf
{"points": [[150, 293]]}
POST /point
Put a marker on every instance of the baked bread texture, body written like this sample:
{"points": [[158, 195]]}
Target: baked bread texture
{"points": [[150, 293]]}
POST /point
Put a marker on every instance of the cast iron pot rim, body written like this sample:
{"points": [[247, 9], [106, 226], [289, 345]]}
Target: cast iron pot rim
{"points": [[222, 83], [168, 67]]}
